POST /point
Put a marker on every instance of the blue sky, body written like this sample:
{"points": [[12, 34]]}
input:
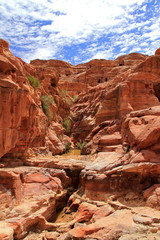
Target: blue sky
{"points": [[77, 31]]}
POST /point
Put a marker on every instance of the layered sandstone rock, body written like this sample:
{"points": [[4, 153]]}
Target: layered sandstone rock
{"points": [[62, 67], [118, 197], [67, 74], [26, 125], [30, 197], [100, 71], [101, 109]]}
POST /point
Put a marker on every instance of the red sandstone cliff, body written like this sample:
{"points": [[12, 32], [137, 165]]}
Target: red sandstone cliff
{"points": [[101, 110], [106, 91], [24, 125]]}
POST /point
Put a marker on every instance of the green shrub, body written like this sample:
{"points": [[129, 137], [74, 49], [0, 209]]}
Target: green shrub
{"points": [[63, 92], [46, 102], [75, 97], [69, 101], [67, 124], [34, 82], [80, 145], [67, 147]]}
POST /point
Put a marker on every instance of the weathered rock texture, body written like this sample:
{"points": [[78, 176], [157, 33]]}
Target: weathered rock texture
{"points": [[100, 111], [120, 120], [30, 197], [24, 127], [68, 74]]}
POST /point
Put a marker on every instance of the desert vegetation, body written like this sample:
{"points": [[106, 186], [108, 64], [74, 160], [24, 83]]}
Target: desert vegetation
{"points": [[67, 124], [47, 101], [34, 82]]}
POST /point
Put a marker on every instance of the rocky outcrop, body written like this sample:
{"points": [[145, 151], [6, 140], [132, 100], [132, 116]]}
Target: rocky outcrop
{"points": [[118, 197], [100, 71], [157, 52], [119, 193], [101, 109], [29, 199], [76, 79], [67, 74], [63, 68]]}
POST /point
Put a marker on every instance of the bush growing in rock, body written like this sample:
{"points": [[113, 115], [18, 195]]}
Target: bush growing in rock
{"points": [[67, 124], [46, 102], [75, 97], [34, 82], [80, 145], [67, 147]]}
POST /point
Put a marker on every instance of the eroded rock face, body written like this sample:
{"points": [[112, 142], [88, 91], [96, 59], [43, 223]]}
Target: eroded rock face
{"points": [[125, 180], [25, 126], [29, 197], [101, 109]]}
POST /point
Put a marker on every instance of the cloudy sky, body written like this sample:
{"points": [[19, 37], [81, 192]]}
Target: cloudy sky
{"points": [[79, 30]]}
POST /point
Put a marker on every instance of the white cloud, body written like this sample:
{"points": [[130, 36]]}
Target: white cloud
{"points": [[103, 55], [42, 53], [42, 28]]}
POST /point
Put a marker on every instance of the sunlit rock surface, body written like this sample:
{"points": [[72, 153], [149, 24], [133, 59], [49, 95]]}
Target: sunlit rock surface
{"points": [[25, 126]]}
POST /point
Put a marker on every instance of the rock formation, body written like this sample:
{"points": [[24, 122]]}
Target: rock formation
{"points": [[112, 110], [101, 110]]}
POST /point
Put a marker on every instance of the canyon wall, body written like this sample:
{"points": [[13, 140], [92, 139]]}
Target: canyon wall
{"points": [[32, 109], [101, 109]]}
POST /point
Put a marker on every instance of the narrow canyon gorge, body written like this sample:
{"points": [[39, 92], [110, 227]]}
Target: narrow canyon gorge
{"points": [[80, 148]]}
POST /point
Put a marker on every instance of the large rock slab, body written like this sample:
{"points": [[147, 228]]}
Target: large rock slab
{"points": [[30, 197]]}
